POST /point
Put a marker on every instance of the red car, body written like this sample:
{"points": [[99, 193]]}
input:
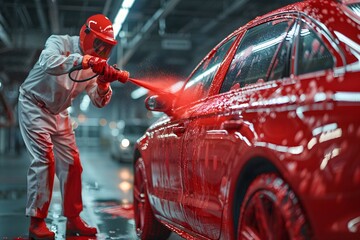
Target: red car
{"points": [[263, 140]]}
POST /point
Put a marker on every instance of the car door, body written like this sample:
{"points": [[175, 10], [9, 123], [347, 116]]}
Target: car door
{"points": [[213, 137], [167, 181], [165, 178]]}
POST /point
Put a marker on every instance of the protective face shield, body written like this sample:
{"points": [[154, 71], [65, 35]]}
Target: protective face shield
{"points": [[97, 36]]}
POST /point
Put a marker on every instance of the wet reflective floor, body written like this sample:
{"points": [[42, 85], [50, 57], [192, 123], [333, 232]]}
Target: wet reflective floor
{"points": [[107, 198]]}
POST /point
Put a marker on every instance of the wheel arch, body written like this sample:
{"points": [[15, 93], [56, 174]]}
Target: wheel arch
{"points": [[138, 155], [254, 167], [147, 169]]}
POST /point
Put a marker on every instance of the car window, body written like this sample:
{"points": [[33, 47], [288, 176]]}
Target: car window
{"points": [[199, 84], [281, 63], [254, 54], [313, 55], [355, 8]]}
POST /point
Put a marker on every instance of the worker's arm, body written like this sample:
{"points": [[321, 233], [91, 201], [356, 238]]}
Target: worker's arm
{"points": [[55, 60], [100, 95], [103, 92]]}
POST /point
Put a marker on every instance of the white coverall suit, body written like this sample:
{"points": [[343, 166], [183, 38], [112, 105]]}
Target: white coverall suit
{"points": [[46, 127]]}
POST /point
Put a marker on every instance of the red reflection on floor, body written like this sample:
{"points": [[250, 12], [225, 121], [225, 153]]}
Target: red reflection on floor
{"points": [[124, 211]]}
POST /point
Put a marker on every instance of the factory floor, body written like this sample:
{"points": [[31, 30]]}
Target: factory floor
{"points": [[107, 197]]}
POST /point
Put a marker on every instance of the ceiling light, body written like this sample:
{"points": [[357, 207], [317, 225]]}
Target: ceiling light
{"points": [[121, 16], [127, 3]]}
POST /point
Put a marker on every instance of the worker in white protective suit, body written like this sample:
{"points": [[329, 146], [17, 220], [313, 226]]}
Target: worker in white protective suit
{"points": [[45, 124]]}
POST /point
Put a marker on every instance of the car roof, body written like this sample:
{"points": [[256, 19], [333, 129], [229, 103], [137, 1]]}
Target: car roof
{"points": [[318, 10], [322, 11]]}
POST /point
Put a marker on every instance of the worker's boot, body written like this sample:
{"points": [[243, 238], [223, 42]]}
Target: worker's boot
{"points": [[76, 226], [39, 230]]}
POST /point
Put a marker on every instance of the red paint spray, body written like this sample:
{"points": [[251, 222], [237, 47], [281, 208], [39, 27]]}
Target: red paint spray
{"points": [[167, 88], [156, 85], [145, 84]]}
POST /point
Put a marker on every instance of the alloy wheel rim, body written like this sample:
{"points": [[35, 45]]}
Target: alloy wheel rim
{"points": [[262, 218]]}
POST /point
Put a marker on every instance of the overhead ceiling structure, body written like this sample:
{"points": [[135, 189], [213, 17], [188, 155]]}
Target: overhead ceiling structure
{"points": [[156, 36]]}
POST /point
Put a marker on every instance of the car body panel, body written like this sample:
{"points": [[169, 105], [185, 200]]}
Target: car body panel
{"points": [[307, 126]]}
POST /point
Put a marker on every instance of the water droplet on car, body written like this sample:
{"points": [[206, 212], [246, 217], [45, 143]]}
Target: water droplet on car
{"points": [[329, 77], [298, 136], [344, 145], [262, 119], [326, 117], [291, 115], [312, 84], [273, 115], [351, 128], [311, 121]]}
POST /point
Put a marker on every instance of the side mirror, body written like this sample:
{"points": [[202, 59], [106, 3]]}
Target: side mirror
{"points": [[154, 103]]}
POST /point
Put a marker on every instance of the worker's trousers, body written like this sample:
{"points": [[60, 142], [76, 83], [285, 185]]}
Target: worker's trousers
{"points": [[50, 141]]}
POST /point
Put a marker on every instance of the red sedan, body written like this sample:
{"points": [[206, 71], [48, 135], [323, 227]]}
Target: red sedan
{"points": [[262, 142]]}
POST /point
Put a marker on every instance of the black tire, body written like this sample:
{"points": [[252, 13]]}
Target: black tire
{"points": [[147, 227], [270, 210]]}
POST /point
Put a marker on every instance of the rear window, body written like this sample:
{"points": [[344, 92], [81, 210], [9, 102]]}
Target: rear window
{"points": [[313, 55]]}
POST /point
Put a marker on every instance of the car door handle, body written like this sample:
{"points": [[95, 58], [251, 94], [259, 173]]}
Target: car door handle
{"points": [[178, 130], [233, 124]]}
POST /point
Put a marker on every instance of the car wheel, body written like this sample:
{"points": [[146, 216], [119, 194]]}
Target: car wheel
{"points": [[147, 227], [270, 210]]}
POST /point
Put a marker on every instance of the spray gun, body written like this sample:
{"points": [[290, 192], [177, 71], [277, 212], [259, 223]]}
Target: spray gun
{"points": [[121, 75]]}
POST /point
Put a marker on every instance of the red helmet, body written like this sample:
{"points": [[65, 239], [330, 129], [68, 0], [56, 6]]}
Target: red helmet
{"points": [[97, 36]]}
